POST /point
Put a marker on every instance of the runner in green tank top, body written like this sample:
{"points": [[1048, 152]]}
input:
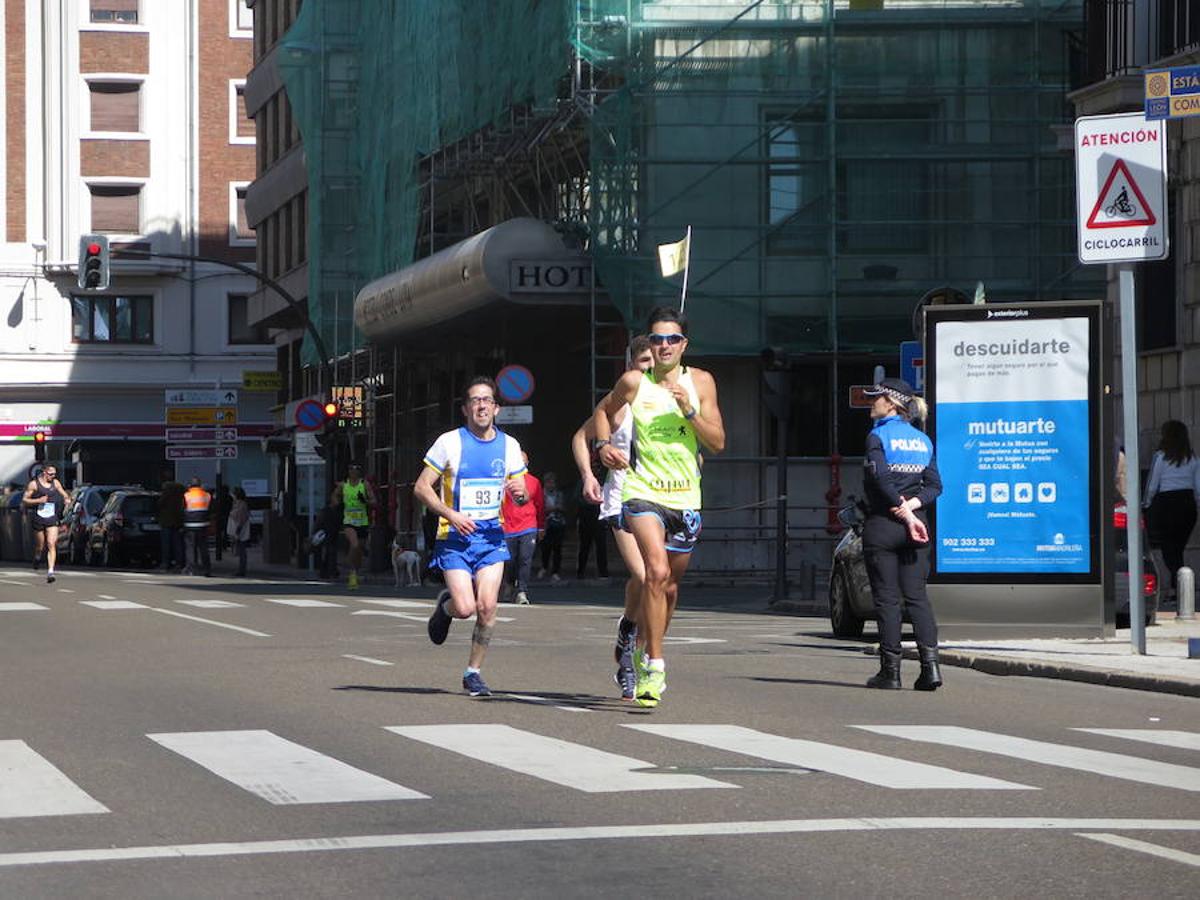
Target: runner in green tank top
{"points": [[675, 412], [354, 496]]}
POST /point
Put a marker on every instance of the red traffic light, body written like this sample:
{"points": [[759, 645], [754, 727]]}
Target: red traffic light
{"points": [[93, 248], [331, 410], [39, 437]]}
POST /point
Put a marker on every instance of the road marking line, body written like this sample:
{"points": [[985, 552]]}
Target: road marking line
{"points": [[1191, 859], [16, 583], [171, 612], [550, 759], [531, 698], [65, 591], [303, 601], [873, 768], [280, 771], [1184, 740], [536, 836], [106, 596], [20, 606], [113, 604], [368, 659], [211, 604], [681, 639], [397, 604], [1099, 762], [400, 615], [30, 785]]}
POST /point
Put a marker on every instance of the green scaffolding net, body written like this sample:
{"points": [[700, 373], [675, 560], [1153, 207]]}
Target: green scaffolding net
{"points": [[835, 160]]}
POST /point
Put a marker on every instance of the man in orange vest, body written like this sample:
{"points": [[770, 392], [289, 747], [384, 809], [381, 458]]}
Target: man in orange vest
{"points": [[195, 523]]}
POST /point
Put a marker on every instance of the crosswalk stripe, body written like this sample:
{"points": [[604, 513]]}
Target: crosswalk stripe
{"points": [[1184, 740], [1116, 840], [1099, 762], [113, 604], [410, 616], [859, 765], [280, 771], [17, 606], [302, 601], [550, 759], [30, 785], [210, 604]]}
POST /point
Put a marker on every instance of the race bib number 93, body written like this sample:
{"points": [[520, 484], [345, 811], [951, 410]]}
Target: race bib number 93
{"points": [[479, 498]]}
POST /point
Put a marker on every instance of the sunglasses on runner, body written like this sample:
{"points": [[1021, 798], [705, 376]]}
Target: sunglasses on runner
{"points": [[661, 339]]}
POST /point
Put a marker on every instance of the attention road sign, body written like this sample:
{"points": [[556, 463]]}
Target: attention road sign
{"points": [[1121, 188]]}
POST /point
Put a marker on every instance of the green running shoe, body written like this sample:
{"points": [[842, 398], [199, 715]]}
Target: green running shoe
{"points": [[650, 686]]}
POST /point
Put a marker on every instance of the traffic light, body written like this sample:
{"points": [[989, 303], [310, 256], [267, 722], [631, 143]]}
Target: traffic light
{"points": [[39, 446], [331, 411], [93, 262]]}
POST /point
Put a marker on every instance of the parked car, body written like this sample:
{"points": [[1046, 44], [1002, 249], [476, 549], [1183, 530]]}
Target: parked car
{"points": [[83, 508], [126, 529], [851, 605]]}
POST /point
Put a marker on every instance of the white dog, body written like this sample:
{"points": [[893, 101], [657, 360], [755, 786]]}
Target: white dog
{"points": [[407, 561]]}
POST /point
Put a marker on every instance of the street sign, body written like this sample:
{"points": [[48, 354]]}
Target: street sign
{"points": [[515, 415], [262, 381], [515, 384], [350, 400], [201, 415], [1121, 188], [207, 435], [200, 451], [306, 449], [192, 397], [859, 398], [1172, 93], [912, 364], [309, 415]]}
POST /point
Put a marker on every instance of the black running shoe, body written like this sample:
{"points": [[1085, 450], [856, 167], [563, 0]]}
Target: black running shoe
{"points": [[49, 578], [439, 622]]}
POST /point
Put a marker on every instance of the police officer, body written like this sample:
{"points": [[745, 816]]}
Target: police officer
{"points": [[196, 502], [900, 482]]}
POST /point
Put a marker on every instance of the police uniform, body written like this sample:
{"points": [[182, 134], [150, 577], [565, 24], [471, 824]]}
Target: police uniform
{"points": [[899, 464]]}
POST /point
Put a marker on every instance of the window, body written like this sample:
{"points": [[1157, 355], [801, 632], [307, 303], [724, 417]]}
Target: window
{"points": [[241, 129], [241, 19], [116, 106], [240, 232], [116, 12], [240, 329], [797, 201], [116, 209], [112, 320]]}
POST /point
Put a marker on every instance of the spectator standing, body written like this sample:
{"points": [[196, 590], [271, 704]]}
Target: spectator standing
{"points": [[238, 526], [524, 525], [591, 533], [1171, 492], [222, 504], [196, 504], [556, 527], [170, 523]]}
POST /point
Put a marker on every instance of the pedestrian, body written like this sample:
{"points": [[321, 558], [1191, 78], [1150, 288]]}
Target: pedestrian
{"points": [[222, 504], [524, 525], [675, 411], [474, 466], [588, 527], [1171, 492], [354, 496], [45, 499], [238, 527], [170, 523], [551, 545], [641, 359], [325, 539], [196, 504], [900, 482]]}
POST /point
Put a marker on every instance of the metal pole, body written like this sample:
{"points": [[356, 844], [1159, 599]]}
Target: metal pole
{"points": [[1185, 591], [312, 477], [1133, 492], [781, 515]]}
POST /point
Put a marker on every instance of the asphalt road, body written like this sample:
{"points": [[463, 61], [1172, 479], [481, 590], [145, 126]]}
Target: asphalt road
{"points": [[190, 737]]}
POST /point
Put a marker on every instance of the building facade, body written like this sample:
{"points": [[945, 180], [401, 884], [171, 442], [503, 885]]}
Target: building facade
{"points": [[125, 118]]}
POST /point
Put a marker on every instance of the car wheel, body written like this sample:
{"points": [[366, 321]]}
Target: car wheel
{"points": [[89, 554], [76, 554], [841, 616]]}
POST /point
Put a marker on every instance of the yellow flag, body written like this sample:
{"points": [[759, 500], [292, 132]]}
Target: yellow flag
{"points": [[673, 258]]}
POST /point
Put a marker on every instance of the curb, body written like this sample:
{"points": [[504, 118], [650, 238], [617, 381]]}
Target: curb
{"points": [[999, 665]]}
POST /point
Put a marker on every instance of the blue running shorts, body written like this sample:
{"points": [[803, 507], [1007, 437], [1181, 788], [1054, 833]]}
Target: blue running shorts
{"points": [[472, 552]]}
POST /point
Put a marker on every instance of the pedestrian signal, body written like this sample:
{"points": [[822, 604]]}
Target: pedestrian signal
{"points": [[93, 262], [39, 446]]}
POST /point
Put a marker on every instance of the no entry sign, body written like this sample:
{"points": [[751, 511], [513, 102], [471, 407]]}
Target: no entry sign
{"points": [[1121, 188]]}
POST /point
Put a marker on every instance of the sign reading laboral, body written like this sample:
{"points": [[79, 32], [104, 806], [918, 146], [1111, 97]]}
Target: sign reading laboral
{"points": [[1121, 188], [1014, 431]]}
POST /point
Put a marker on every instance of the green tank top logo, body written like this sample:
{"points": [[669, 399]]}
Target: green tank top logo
{"points": [[354, 502], [664, 455]]}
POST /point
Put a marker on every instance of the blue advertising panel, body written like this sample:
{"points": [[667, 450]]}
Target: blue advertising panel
{"points": [[1014, 435]]}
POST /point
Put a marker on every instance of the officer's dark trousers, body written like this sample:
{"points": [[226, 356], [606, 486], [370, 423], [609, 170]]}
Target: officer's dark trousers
{"points": [[897, 572]]}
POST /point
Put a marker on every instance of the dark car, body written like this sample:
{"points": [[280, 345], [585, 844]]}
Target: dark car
{"points": [[86, 503], [126, 529], [851, 605]]}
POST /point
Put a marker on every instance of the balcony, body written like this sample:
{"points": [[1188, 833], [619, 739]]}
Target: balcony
{"points": [[1124, 36]]}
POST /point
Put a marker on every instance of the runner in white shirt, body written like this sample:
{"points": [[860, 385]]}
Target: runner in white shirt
{"points": [[640, 358]]}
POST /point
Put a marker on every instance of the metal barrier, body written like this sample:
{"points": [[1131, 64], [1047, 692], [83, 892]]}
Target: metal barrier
{"points": [[1185, 592]]}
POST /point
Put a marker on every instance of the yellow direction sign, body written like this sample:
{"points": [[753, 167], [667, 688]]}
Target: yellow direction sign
{"points": [[201, 415], [262, 381]]}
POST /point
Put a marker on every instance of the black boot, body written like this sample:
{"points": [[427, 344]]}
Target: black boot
{"points": [[930, 678], [888, 676]]}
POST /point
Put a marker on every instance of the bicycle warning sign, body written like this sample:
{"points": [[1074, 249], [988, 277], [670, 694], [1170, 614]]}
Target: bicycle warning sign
{"points": [[1121, 188]]}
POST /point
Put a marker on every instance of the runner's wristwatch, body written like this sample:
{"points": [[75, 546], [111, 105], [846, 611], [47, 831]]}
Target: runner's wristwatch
{"points": [[600, 442]]}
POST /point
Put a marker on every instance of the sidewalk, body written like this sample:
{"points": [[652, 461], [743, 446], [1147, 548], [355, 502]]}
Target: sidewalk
{"points": [[1165, 668]]}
